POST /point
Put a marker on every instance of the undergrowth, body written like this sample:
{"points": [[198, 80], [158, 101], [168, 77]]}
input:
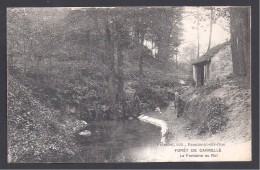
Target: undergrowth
{"points": [[34, 131], [206, 115]]}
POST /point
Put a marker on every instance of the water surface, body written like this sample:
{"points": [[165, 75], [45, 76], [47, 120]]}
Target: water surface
{"points": [[116, 141]]}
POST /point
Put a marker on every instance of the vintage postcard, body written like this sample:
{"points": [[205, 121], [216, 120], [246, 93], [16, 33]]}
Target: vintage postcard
{"points": [[129, 84]]}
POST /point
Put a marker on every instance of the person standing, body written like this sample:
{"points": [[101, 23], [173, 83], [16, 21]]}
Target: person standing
{"points": [[178, 104]]}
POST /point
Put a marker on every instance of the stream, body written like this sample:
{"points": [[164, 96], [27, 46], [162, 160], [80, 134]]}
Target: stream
{"points": [[116, 141]]}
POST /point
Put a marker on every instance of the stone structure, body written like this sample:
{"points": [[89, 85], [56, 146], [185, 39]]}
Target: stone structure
{"points": [[202, 67]]}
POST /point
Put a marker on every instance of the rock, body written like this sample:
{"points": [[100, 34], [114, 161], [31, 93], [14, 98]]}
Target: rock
{"points": [[130, 118], [83, 122], [158, 110], [85, 133], [182, 82]]}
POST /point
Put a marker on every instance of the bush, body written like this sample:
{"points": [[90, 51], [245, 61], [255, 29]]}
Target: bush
{"points": [[151, 98], [215, 118], [206, 116], [210, 86], [131, 105]]}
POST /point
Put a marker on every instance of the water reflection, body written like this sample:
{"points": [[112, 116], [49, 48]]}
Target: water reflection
{"points": [[117, 141]]}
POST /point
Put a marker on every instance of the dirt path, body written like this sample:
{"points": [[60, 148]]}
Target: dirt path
{"points": [[234, 138], [181, 133], [238, 129], [179, 129]]}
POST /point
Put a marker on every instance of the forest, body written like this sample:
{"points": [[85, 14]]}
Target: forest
{"points": [[70, 67]]}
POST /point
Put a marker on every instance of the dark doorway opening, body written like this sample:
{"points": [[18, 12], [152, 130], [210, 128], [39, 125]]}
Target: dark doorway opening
{"points": [[202, 75]]}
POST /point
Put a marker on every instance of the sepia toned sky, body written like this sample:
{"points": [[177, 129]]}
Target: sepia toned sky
{"points": [[219, 35]]}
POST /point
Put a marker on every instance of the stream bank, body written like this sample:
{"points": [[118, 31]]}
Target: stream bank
{"points": [[157, 122], [234, 135], [38, 133]]}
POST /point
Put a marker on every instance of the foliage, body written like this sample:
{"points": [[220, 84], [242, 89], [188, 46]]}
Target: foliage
{"points": [[34, 131], [210, 86], [131, 105], [154, 97], [206, 115], [215, 119]]}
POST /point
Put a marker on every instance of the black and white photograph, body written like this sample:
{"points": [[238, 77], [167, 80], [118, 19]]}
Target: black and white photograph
{"points": [[129, 84]]}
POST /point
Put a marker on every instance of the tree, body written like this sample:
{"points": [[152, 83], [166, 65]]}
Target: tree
{"points": [[240, 40], [141, 23], [211, 23], [141, 31], [103, 39], [207, 19], [166, 27], [189, 53], [109, 42], [116, 41], [198, 33], [122, 42], [215, 14]]}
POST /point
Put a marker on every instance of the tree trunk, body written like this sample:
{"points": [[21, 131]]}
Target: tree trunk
{"points": [[233, 35], [120, 76], [110, 53], [166, 42], [240, 41], [141, 72], [210, 31], [198, 35], [247, 45], [120, 72]]}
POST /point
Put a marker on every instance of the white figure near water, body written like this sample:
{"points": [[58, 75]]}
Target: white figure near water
{"points": [[159, 123]]}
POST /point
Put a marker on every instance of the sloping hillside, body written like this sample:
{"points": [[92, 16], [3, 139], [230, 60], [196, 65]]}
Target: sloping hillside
{"points": [[38, 133], [238, 99], [219, 111], [230, 126]]}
